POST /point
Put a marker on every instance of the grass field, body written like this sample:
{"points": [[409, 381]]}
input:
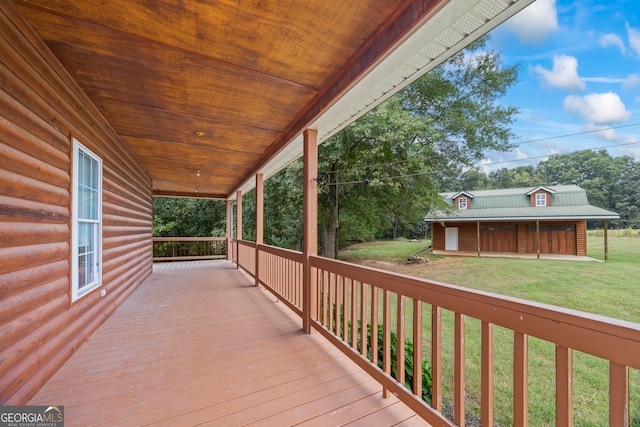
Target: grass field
{"points": [[609, 288]]}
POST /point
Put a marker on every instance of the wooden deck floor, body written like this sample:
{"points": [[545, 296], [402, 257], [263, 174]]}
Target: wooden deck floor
{"points": [[197, 344]]}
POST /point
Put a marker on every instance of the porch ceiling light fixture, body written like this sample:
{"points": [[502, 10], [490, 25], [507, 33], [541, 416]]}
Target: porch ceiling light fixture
{"points": [[198, 172], [199, 133]]}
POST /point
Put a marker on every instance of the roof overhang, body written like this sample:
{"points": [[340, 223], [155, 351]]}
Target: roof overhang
{"points": [[448, 29]]}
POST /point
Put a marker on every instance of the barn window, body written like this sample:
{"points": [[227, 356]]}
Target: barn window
{"points": [[86, 257], [462, 203], [541, 199]]}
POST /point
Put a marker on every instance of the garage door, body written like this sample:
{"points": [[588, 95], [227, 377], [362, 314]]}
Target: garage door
{"points": [[554, 239]]}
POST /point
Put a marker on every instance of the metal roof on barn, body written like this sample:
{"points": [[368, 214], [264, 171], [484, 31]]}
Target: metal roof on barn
{"points": [[569, 202]]}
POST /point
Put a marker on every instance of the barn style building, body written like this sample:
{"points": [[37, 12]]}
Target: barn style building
{"points": [[530, 220]]}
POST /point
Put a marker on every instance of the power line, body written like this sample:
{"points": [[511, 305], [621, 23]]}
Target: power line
{"points": [[578, 133], [367, 181], [531, 141]]}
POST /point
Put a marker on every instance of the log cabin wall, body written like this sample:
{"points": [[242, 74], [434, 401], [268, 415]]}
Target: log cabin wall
{"points": [[41, 109]]}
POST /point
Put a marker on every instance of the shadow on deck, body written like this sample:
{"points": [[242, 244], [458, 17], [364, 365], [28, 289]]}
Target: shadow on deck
{"points": [[198, 344]]}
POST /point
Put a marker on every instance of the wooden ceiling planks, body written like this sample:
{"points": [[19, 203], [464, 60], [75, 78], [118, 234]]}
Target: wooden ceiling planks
{"points": [[192, 84]]}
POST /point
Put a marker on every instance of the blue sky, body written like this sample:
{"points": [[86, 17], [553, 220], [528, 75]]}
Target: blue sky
{"points": [[579, 72]]}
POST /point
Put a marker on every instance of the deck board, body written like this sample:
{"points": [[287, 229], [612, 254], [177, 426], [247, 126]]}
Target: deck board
{"points": [[198, 344]]}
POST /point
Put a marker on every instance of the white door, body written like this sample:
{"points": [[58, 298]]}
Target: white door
{"points": [[451, 238]]}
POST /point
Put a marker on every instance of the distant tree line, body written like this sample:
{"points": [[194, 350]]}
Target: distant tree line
{"points": [[611, 183]]}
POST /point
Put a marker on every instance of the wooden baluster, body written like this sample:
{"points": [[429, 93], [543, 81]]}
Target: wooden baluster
{"points": [[363, 319], [487, 375], [564, 386], [331, 301], [386, 343], [339, 304], [417, 348], [520, 380], [354, 314], [345, 310], [400, 350], [436, 357], [458, 370], [374, 325], [618, 395]]}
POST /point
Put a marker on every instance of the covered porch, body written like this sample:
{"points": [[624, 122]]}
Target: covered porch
{"points": [[196, 344]]}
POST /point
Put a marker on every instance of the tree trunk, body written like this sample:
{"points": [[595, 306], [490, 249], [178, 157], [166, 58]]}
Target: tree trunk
{"points": [[395, 229], [330, 226]]}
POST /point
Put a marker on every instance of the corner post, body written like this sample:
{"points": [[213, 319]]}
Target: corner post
{"points": [[310, 214], [259, 222], [478, 235]]}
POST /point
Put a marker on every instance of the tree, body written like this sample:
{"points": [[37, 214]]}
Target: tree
{"points": [[382, 171], [174, 217]]}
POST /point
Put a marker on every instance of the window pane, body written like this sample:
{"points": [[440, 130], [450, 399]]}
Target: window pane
{"points": [[88, 184], [86, 253]]}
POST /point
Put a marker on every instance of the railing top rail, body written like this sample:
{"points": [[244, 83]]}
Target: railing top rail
{"points": [[284, 253], [246, 243], [188, 239], [612, 339]]}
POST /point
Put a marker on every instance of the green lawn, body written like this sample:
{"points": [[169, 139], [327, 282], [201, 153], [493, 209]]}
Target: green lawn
{"points": [[607, 288]]}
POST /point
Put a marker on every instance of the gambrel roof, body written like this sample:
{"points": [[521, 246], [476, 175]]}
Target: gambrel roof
{"points": [[569, 202]]}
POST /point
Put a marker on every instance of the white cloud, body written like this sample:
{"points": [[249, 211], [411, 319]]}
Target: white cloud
{"points": [[535, 22], [603, 79], [632, 80], [564, 73], [611, 39], [598, 107], [634, 39], [605, 133]]}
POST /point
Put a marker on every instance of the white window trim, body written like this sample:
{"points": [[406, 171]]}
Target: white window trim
{"points": [[466, 203], [540, 199], [75, 292]]}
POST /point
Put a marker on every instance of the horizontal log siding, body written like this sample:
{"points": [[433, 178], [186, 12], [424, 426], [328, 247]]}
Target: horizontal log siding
{"points": [[41, 108]]}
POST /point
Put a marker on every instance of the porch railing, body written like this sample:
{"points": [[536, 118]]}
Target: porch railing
{"points": [[350, 296], [188, 248]]}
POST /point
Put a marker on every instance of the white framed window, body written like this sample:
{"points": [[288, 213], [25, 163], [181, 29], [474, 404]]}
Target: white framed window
{"points": [[86, 227], [541, 199], [462, 203]]}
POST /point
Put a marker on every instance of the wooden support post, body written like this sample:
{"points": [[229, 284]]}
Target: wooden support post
{"points": [[478, 235], [238, 225], [606, 240], [229, 229], [538, 238], [259, 222], [310, 220]]}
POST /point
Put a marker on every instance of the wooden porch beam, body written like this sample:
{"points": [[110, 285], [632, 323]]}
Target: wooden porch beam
{"points": [[310, 221]]}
